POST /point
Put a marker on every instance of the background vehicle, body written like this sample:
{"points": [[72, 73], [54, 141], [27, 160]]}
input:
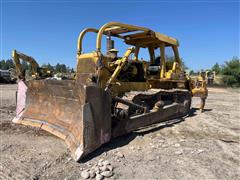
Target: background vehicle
{"points": [[6, 76], [36, 71]]}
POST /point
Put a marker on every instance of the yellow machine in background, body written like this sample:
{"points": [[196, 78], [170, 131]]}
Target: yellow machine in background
{"points": [[113, 93], [37, 71], [199, 89]]}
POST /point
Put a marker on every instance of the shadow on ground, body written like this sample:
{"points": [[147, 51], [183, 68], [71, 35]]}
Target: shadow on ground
{"points": [[127, 138], [194, 110]]}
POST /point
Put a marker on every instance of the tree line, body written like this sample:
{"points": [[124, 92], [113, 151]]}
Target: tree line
{"points": [[58, 68], [6, 64], [230, 71]]}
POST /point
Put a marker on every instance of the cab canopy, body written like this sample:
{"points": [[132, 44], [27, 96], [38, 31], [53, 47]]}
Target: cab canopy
{"points": [[132, 35]]}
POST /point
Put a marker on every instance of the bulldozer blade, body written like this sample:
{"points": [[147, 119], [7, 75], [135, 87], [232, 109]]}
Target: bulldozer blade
{"points": [[76, 113]]}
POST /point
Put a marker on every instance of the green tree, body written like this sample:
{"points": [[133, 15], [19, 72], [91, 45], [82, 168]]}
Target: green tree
{"points": [[2, 64], [10, 63], [191, 72], [216, 68], [231, 72], [48, 66], [6, 64], [170, 61], [61, 68], [72, 70]]}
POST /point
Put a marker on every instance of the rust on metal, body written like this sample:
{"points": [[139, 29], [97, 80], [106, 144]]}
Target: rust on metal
{"points": [[76, 113]]}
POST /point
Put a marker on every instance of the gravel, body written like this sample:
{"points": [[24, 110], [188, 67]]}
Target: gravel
{"points": [[202, 153], [85, 174]]}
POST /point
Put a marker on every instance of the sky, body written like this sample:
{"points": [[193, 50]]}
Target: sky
{"points": [[208, 31]]}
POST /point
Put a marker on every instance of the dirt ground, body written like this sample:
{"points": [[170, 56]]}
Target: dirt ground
{"points": [[201, 146]]}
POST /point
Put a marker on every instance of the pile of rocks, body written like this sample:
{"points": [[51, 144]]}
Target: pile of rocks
{"points": [[99, 171]]}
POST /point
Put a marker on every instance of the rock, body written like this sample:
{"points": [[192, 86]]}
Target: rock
{"points": [[178, 152], [35, 177], [151, 144], [181, 140], [164, 146], [200, 151], [107, 173], [89, 164], [96, 168], [150, 158], [99, 177], [92, 173], [110, 168], [100, 160], [120, 155], [85, 174], [132, 148], [177, 145], [161, 141], [100, 164], [105, 163], [103, 168]]}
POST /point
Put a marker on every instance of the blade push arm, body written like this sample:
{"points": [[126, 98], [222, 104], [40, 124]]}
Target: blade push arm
{"points": [[121, 63]]}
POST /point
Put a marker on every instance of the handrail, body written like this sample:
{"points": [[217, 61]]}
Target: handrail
{"points": [[80, 38], [111, 24], [108, 26]]}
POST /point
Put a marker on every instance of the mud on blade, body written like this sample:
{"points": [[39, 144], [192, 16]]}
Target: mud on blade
{"points": [[67, 109]]}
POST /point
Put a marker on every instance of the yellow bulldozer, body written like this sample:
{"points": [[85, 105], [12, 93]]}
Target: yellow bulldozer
{"points": [[111, 94]]}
